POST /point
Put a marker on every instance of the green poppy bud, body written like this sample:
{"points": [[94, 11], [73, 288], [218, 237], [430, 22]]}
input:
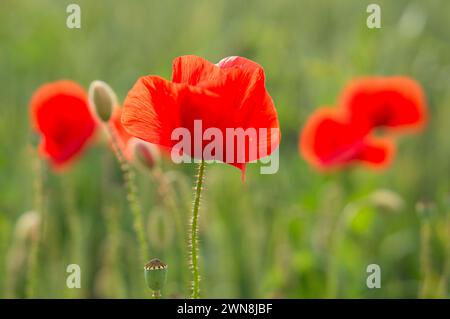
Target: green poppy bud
{"points": [[155, 272], [102, 99]]}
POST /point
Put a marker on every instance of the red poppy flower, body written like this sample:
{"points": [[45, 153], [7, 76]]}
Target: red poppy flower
{"points": [[227, 95], [60, 113], [330, 140], [387, 102]]}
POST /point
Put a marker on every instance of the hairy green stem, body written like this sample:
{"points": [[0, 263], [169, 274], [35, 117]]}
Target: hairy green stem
{"points": [[132, 199], [194, 232]]}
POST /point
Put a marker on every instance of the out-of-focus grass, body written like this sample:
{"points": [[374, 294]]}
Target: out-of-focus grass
{"points": [[275, 235]]}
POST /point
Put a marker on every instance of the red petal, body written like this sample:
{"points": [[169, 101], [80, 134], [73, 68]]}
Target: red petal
{"points": [[230, 96], [238, 62], [329, 140], [246, 84], [377, 153], [122, 135], [191, 69], [151, 110], [391, 102], [60, 113]]}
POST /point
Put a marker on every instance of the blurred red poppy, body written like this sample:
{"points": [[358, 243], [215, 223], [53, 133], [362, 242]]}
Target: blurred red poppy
{"points": [[387, 102], [331, 140], [227, 95], [60, 114]]}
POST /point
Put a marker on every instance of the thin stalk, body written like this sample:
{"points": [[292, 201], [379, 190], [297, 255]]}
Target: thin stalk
{"points": [[166, 194], [425, 261], [337, 236], [156, 294], [32, 269], [194, 232], [32, 262], [130, 184], [112, 218], [442, 290], [71, 214]]}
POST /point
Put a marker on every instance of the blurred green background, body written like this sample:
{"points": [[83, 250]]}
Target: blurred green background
{"points": [[295, 234]]}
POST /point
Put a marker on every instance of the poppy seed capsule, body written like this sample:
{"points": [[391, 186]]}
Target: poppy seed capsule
{"points": [[145, 154], [102, 99], [155, 272]]}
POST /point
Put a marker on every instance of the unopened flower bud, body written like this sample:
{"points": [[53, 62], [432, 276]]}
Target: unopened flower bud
{"points": [[387, 200], [102, 99], [145, 154], [27, 227], [155, 272]]}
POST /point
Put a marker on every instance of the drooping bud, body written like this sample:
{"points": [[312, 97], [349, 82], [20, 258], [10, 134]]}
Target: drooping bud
{"points": [[28, 225], [145, 154], [102, 99], [155, 272], [387, 200]]}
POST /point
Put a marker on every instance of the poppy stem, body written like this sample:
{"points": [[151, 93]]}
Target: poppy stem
{"points": [[131, 187], [167, 194], [156, 294], [32, 267], [194, 232], [446, 270], [425, 264], [337, 236]]}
